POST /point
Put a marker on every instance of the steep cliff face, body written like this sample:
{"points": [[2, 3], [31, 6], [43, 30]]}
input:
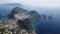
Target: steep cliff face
{"points": [[21, 19], [7, 8]]}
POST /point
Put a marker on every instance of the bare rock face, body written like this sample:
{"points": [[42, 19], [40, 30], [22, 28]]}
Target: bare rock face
{"points": [[20, 20]]}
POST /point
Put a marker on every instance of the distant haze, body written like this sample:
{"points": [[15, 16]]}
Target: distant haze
{"points": [[36, 3]]}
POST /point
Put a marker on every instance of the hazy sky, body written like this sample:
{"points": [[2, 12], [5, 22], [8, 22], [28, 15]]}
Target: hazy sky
{"points": [[43, 3]]}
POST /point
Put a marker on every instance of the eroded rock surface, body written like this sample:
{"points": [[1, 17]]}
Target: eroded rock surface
{"points": [[19, 21]]}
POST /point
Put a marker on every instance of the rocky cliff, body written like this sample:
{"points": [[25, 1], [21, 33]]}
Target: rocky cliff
{"points": [[20, 19]]}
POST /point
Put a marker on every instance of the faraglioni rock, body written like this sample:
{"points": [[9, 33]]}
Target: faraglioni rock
{"points": [[19, 21]]}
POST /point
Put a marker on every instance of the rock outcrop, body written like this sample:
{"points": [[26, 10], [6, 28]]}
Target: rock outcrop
{"points": [[20, 20]]}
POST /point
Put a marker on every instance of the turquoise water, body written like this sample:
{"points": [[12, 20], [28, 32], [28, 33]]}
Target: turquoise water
{"points": [[37, 26]]}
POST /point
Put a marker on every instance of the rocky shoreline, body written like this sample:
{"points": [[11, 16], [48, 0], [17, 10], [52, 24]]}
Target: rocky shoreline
{"points": [[19, 21]]}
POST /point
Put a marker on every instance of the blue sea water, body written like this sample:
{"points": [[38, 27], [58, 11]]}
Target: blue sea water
{"points": [[42, 26]]}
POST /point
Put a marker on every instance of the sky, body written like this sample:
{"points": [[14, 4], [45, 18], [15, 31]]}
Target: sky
{"points": [[38, 3]]}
